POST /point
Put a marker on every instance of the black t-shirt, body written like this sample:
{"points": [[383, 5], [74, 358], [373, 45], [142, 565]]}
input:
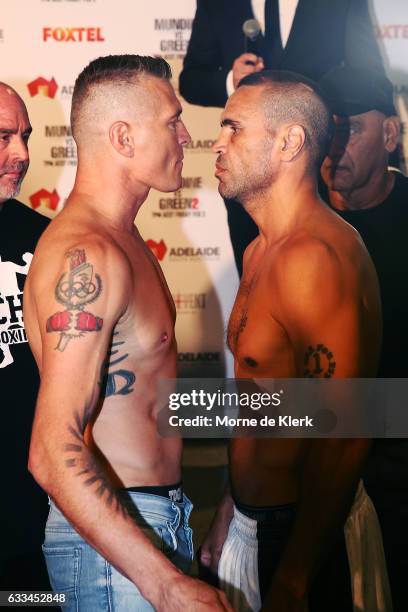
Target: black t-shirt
{"points": [[23, 506], [384, 230]]}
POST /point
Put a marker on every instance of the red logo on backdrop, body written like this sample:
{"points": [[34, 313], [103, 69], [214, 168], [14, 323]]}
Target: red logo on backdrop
{"points": [[44, 87], [399, 30], [73, 34], [159, 249], [45, 198]]}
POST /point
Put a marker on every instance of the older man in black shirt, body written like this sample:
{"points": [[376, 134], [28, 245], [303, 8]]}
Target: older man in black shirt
{"points": [[372, 197], [23, 505]]}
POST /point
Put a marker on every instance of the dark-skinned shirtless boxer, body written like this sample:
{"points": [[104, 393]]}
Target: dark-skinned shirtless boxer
{"points": [[308, 289]]}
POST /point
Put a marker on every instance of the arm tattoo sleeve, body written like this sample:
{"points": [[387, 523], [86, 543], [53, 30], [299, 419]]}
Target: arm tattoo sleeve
{"points": [[318, 362], [77, 287], [87, 467]]}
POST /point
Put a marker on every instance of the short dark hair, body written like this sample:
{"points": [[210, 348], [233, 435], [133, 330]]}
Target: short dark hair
{"points": [[299, 99], [117, 69]]}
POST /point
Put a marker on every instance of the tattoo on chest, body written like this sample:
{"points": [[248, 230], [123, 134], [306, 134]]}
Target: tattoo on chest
{"points": [[319, 362], [243, 322], [86, 465], [241, 325], [116, 381], [77, 288]]}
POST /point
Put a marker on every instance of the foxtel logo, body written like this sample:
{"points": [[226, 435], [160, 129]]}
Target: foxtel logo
{"points": [[43, 87], [159, 249], [73, 34], [45, 198]]}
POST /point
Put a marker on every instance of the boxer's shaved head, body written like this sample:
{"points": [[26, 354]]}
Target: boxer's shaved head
{"points": [[291, 98], [112, 89]]}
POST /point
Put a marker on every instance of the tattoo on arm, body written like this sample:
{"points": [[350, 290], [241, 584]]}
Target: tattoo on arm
{"points": [[119, 381], [318, 362], [75, 289], [87, 466]]}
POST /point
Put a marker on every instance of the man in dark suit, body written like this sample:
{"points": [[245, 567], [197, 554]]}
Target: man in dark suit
{"points": [[307, 36]]}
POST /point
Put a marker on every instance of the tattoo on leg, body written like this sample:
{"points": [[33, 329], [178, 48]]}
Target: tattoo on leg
{"points": [[75, 289], [318, 362], [87, 466], [118, 382]]}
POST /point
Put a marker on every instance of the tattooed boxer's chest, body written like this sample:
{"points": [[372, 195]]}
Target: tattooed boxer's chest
{"points": [[142, 344], [132, 356], [239, 316], [259, 343]]}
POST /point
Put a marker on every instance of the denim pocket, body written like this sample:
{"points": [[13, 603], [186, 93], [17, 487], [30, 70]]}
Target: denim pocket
{"points": [[63, 565]]}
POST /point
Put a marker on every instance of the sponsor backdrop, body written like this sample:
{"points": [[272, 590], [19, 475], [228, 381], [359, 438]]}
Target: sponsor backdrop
{"points": [[44, 44]]}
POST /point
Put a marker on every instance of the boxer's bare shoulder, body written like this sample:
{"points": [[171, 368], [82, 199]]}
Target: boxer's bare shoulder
{"points": [[299, 294], [306, 267], [76, 280]]}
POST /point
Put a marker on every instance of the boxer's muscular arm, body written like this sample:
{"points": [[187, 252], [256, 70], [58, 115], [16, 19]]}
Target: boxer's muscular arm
{"points": [[318, 310], [76, 317]]}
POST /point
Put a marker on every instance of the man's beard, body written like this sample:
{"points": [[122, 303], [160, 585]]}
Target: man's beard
{"points": [[247, 188], [249, 183], [11, 191], [6, 193]]}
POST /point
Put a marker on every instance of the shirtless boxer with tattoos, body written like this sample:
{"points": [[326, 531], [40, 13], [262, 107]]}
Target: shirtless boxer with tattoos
{"points": [[100, 321], [308, 305]]}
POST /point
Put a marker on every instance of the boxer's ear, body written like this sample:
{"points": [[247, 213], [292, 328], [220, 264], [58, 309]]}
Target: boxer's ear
{"points": [[293, 140], [121, 138]]}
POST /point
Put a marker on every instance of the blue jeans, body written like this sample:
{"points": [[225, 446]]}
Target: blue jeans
{"points": [[91, 583]]}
